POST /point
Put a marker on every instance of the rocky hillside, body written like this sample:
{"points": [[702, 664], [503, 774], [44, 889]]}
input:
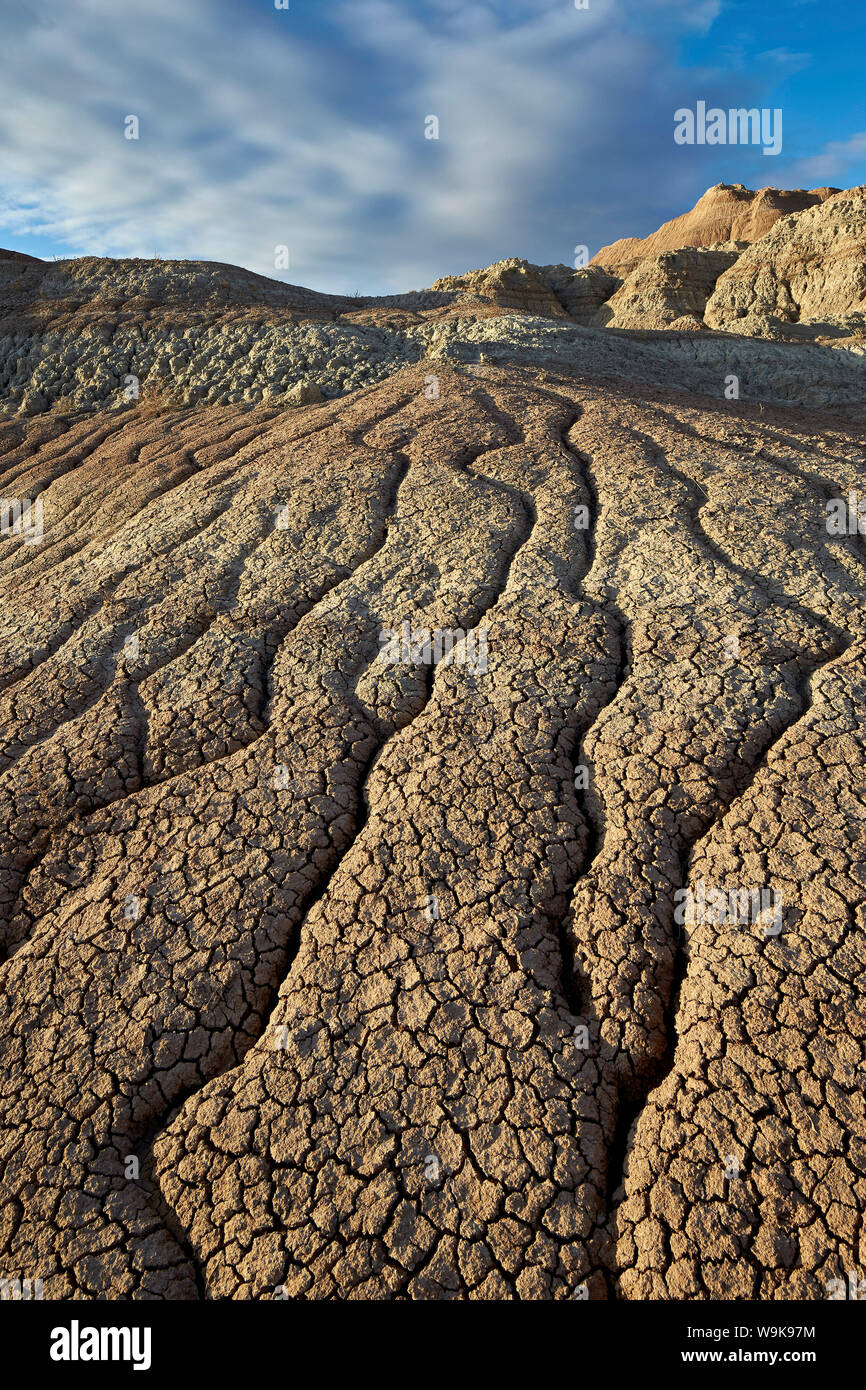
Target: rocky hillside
{"points": [[788, 266], [727, 214], [433, 779], [807, 276]]}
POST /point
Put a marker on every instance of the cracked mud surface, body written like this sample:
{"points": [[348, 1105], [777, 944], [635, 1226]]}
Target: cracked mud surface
{"points": [[330, 977]]}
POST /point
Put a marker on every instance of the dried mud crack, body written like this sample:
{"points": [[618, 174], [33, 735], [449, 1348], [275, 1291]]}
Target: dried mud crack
{"points": [[362, 768]]}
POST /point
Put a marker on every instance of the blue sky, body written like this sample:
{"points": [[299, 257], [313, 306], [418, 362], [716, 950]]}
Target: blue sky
{"points": [[305, 127]]}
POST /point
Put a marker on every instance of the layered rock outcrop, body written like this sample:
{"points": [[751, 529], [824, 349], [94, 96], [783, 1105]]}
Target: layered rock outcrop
{"points": [[91, 333], [666, 291], [726, 213]]}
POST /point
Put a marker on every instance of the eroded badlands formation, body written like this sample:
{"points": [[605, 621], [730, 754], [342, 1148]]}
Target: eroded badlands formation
{"points": [[769, 267], [335, 976]]}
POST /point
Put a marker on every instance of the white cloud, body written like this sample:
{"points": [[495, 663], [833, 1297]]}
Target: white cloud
{"points": [[555, 130]]}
